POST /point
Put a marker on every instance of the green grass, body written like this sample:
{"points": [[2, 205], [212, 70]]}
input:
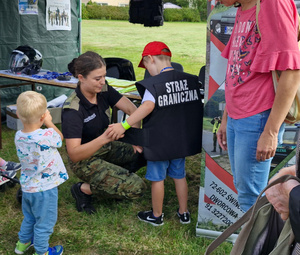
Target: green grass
{"points": [[115, 229], [186, 40], [206, 124]]}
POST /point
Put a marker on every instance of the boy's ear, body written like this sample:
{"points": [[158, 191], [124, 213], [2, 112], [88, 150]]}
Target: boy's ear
{"points": [[148, 58], [43, 117], [151, 58]]}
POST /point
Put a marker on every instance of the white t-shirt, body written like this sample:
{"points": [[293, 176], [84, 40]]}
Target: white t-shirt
{"points": [[148, 97], [42, 166]]}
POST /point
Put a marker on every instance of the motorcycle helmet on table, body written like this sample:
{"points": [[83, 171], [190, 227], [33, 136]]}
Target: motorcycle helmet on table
{"points": [[25, 60]]}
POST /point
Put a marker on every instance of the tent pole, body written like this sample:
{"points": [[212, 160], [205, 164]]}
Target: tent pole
{"points": [[79, 27]]}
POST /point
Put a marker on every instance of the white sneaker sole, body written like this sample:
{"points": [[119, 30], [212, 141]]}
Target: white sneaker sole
{"points": [[152, 223]]}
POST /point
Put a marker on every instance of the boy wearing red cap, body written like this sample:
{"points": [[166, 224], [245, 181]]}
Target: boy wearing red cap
{"points": [[171, 111]]}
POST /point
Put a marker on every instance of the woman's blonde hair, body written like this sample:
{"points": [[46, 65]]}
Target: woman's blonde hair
{"points": [[31, 106]]}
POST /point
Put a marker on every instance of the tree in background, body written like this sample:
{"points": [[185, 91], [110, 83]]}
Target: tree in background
{"points": [[200, 5]]}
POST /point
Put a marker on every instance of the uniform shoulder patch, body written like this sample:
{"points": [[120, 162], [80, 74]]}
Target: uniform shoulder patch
{"points": [[72, 102]]}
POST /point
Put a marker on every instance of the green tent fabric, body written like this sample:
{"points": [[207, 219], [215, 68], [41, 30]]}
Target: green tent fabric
{"points": [[58, 47]]}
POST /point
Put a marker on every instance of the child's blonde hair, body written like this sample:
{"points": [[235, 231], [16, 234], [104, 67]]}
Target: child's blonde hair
{"points": [[31, 106], [163, 58]]}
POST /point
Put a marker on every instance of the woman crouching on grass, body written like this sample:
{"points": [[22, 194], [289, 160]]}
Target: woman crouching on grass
{"points": [[106, 167]]}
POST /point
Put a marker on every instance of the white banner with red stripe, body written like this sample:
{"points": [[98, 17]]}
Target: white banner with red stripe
{"points": [[218, 204]]}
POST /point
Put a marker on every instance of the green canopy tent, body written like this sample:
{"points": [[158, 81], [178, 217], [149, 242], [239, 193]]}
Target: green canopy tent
{"points": [[58, 47]]}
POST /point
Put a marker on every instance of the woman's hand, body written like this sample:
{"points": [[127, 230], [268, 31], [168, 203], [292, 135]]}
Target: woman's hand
{"points": [[266, 146], [78, 151], [279, 194], [221, 135], [115, 131]]}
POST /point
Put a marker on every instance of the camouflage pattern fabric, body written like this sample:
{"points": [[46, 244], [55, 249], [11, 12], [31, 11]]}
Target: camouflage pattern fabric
{"points": [[111, 171]]}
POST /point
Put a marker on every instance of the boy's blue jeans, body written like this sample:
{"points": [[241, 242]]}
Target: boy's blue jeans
{"points": [[250, 176], [40, 215]]}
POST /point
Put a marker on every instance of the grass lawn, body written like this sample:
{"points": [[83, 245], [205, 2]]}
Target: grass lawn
{"points": [[186, 40], [115, 228]]}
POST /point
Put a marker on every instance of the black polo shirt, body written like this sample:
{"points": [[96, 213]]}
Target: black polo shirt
{"points": [[81, 119]]}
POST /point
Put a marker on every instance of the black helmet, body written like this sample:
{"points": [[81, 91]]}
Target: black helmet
{"points": [[26, 60]]}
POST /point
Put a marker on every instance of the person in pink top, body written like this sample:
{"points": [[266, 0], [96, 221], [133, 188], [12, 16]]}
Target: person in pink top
{"points": [[252, 122]]}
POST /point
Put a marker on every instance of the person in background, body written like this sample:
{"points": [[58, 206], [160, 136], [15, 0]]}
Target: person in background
{"points": [[42, 172], [8, 169], [285, 198], [106, 167], [216, 122], [173, 125], [253, 118], [9, 165]]}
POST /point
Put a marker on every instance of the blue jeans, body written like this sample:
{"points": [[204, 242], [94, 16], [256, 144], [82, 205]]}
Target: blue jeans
{"points": [[249, 175], [40, 215]]}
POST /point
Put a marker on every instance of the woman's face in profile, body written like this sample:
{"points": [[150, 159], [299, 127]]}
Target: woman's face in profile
{"points": [[94, 81]]}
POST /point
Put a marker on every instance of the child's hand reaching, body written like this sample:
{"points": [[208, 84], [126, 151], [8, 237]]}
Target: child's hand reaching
{"points": [[49, 124], [116, 131], [48, 119]]}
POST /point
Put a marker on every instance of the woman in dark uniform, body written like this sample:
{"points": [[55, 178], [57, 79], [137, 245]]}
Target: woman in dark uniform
{"points": [[106, 167]]}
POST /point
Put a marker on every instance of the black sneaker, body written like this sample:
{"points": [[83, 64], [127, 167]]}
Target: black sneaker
{"points": [[11, 166], [83, 201], [184, 218], [147, 216]]}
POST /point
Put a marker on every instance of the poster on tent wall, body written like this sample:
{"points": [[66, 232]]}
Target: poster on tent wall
{"points": [[28, 7], [58, 15]]}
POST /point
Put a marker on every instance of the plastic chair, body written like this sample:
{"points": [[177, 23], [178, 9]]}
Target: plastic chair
{"points": [[175, 65], [201, 79], [120, 68]]}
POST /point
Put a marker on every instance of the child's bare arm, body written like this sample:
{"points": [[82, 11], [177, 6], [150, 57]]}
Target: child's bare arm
{"points": [[116, 130], [141, 112], [49, 124]]}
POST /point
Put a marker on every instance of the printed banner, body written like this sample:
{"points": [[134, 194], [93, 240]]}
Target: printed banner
{"points": [[220, 204], [28, 7]]}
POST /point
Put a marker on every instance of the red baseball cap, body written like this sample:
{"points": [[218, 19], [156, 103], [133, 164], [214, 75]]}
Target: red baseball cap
{"points": [[153, 49]]}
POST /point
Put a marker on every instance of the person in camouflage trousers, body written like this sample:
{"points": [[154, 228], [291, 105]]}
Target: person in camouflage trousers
{"points": [[105, 166], [120, 164]]}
